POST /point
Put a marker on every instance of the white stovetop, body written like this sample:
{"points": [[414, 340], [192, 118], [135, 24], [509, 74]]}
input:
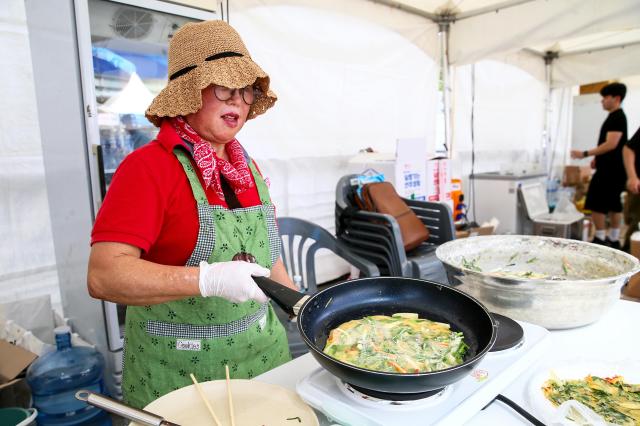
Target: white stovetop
{"points": [[612, 339]]}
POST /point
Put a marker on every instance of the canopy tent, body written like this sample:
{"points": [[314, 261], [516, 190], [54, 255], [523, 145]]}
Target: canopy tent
{"points": [[564, 30], [562, 43], [352, 74], [559, 43]]}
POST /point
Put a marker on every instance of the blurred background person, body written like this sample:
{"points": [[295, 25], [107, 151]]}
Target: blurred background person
{"points": [[608, 182]]}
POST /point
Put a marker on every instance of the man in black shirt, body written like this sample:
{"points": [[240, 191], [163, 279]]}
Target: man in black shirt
{"points": [[608, 182], [631, 156]]}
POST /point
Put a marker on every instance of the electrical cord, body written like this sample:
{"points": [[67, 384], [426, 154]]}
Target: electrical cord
{"points": [[519, 410]]}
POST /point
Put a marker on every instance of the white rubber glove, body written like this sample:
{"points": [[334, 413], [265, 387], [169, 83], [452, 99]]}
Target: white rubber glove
{"points": [[232, 280]]}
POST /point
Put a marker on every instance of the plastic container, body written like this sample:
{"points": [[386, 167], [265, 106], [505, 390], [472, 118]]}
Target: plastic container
{"points": [[297, 280], [553, 185], [15, 416], [55, 378]]}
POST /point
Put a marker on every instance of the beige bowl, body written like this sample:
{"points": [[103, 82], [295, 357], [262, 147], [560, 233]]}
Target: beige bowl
{"points": [[254, 403]]}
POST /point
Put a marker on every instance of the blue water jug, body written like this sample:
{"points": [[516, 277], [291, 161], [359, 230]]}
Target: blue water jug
{"points": [[55, 377]]}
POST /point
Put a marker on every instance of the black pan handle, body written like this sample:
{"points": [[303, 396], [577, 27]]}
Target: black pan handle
{"points": [[289, 300]]}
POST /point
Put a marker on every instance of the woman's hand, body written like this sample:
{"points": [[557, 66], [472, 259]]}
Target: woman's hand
{"points": [[232, 280]]}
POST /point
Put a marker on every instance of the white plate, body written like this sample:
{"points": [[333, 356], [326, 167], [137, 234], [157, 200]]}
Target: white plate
{"points": [[255, 403], [544, 409]]}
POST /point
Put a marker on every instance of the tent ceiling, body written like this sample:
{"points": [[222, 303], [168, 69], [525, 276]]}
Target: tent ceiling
{"points": [[602, 38], [461, 8], [488, 28], [591, 42]]}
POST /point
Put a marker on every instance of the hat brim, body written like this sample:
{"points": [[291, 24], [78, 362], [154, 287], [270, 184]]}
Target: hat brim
{"points": [[182, 96]]}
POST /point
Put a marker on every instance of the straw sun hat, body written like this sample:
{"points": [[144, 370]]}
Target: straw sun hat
{"points": [[201, 54]]}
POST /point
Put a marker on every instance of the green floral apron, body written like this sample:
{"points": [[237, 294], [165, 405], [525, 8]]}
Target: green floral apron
{"points": [[164, 343]]}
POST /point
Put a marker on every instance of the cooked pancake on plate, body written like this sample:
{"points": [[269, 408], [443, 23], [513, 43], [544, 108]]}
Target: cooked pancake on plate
{"points": [[613, 399]]}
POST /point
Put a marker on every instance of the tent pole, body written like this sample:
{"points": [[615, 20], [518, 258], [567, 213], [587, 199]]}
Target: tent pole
{"points": [[546, 140], [444, 26]]}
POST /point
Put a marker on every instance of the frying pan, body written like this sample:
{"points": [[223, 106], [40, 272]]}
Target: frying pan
{"points": [[325, 310]]}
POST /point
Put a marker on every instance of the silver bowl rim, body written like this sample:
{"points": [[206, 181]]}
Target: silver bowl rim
{"points": [[513, 280]]}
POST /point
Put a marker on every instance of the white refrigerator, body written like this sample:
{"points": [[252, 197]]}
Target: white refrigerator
{"points": [[495, 195]]}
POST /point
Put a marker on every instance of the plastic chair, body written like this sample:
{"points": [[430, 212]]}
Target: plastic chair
{"points": [[360, 229], [301, 240], [300, 259]]}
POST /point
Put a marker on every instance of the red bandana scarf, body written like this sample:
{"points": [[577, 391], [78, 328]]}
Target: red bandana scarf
{"points": [[236, 171]]}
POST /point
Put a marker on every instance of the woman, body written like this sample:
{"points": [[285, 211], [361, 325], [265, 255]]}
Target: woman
{"points": [[177, 212]]}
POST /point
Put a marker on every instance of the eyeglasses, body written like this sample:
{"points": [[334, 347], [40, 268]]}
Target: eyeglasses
{"points": [[249, 94]]}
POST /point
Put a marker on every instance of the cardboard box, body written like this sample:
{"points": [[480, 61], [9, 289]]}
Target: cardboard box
{"points": [[571, 175], [632, 289], [474, 232], [635, 247], [575, 175], [14, 361]]}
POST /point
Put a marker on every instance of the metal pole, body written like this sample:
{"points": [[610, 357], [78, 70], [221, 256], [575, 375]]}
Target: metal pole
{"points": [[444, 27], [546, 137]]}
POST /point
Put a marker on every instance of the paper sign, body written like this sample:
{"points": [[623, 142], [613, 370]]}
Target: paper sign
{"points": [[410, 171]]}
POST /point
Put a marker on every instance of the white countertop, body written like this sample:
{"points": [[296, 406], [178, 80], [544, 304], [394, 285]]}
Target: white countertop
{"points": [[614, 338]]}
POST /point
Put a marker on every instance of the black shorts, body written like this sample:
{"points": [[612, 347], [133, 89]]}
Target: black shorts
{"points": [[604, 194]]}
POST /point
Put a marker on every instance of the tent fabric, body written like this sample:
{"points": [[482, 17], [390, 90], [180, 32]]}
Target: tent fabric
{"points": [[537, 22], [505, 132], [416, 29], [542, 26], [134, 98], [596, 66], [344, 82], [25, 228]]}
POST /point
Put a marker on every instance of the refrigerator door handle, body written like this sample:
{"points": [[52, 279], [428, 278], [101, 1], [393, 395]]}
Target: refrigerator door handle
{"points": [[97, 149]]}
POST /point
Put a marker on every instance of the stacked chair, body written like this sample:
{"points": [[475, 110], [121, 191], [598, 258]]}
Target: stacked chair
{"points": [[300, 242], [377, 238]]}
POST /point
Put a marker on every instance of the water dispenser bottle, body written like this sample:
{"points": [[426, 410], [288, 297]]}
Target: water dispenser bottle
{"points": [[55, 377]]}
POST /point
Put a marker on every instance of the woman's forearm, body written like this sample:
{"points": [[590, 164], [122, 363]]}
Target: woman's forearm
{"points": [[117, 274], [279, 274]]}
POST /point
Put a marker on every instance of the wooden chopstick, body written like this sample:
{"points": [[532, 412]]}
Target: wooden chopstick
{"points": [[226, 370], [204, 399]]}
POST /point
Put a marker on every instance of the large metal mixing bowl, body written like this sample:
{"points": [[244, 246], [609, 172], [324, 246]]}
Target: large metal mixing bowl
{"points": [[553, 282]]}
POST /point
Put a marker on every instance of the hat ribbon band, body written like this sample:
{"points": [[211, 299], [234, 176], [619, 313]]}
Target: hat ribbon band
{"points": [[210, 58]]}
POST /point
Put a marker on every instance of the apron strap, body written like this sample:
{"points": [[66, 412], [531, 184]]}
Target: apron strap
{"points": [[263, 190], [196, 187]]}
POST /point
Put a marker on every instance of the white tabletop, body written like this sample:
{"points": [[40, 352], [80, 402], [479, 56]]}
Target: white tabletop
{"points": [[614, 338]]}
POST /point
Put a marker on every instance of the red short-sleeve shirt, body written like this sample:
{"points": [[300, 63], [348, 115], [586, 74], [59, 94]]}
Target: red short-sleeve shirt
{"points": [[150, 204]]}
